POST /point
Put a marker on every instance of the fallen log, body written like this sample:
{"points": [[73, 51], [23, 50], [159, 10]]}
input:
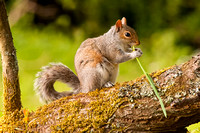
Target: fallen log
{"points": [[126, 107]]}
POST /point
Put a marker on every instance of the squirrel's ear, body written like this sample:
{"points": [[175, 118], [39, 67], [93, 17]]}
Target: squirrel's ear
{"points": [[118, 25], [124, 21]]}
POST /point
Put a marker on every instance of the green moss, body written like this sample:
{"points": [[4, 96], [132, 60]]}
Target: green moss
{"points": [[11, 95], [12, 105], [79, 115], [8, 125]]}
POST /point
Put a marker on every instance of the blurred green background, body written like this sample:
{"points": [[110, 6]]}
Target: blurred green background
{"points": [[47, 31]]}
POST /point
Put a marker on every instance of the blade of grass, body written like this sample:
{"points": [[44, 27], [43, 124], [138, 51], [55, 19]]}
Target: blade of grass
{"points": [[153, 86]]}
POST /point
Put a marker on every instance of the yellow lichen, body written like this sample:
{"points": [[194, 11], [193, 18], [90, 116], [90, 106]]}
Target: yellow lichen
{"points": [[11, 95], [12, 105], [8, 125], [77, 115], [158, 73]]}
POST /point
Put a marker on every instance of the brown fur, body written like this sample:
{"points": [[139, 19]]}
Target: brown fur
{"points": [[96, 62]]}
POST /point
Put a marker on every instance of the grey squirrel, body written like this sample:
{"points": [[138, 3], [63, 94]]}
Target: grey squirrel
{"points": [[96, 62]]}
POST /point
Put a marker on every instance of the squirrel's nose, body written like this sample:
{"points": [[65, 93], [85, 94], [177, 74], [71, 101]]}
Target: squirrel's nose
{"points": [[137, 43]]}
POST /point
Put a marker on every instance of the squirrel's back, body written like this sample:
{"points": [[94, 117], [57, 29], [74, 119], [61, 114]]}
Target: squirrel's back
{"points": [[93, 68]]}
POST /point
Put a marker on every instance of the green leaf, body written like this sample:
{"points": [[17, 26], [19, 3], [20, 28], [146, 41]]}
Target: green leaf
{"points": [[194, 128]]}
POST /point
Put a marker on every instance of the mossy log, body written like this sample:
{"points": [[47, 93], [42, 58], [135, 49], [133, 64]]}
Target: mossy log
{"points": [[127, 107]]}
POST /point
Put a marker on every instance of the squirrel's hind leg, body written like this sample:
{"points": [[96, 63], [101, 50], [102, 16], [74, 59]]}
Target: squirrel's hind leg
{"points": [[90, 80]]}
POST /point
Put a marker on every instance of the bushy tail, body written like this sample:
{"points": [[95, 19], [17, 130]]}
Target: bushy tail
{"points": [[47, 77]]}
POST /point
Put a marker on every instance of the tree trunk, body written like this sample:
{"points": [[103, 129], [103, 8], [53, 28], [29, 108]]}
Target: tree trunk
{"points": [[11, 89], [127, 107]]}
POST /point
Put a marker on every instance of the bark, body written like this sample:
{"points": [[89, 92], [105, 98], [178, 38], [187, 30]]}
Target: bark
{"points": [[127, 107], [11, 89]]}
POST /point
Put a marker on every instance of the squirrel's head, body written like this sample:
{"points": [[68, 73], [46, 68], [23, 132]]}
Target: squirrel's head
{"points": [[126, 34]]}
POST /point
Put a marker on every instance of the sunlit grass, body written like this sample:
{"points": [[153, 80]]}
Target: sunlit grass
{"points": [[152, 85]]}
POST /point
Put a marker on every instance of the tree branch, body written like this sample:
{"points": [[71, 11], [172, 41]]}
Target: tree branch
{"points": [[11, 89], [128, 107]]}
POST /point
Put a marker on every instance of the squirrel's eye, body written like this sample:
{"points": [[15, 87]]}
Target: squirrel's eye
{"points": [[127, 34]]}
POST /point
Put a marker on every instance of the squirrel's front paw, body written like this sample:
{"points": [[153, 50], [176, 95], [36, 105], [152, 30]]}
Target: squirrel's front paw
{"points": [[137, 53], [108, 84]]}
